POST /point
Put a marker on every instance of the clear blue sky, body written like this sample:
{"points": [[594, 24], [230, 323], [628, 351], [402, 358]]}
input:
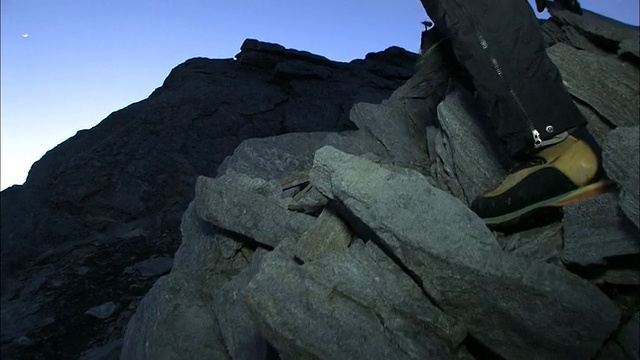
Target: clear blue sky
{"points": [[84, 59]]}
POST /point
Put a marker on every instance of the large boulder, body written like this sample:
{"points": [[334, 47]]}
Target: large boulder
{"points": [[461, 267]]}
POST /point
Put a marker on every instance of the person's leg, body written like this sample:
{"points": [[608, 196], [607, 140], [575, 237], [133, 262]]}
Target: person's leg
{"points": [[500, 44]]}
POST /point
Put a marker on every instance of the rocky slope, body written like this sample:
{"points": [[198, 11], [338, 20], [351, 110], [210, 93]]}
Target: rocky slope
{"points": [[98, 219], [361, 245], [347, 235]]}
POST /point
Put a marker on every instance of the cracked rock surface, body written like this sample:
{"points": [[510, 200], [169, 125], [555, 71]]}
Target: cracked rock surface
{"points": [[309, 209]]}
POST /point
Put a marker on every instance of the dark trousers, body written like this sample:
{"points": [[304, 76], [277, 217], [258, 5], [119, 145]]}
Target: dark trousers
{"points": [[500, 44]]}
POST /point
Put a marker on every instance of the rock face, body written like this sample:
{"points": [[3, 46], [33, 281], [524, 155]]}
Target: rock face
{"points": [[360, 244], [98, 218], [334, 230]]}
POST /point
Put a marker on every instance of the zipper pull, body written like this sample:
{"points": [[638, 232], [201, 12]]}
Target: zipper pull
{"points": [[537, 141]]}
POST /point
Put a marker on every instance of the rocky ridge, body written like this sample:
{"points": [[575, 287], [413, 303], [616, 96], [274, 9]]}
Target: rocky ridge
{"points": [[348, 211], [98, 220], [360, 244]]}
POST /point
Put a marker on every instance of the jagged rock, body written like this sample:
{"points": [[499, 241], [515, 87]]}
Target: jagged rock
{"points": [[20, 317], [203, 250], [401, 140], [201, 246], [461, 266], [353, 298], [626, 345], [232, 209], [280, 156], [539, 244], [607, 86], [598, 28], [326, 235], [117, 173], [630, 47], [239, 333], [619, 277], [597, 125], [151, 267], [258, 53], [174, 321], [111, 197], [273, 157], [594, 232], [102, 311], [393, 62], [468, 153], [308, 201], [110, 351], [629, 337], [621, 163], [300, 69]]}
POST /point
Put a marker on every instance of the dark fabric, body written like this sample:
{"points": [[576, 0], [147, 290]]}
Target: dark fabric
{"points": [[529, 94]]}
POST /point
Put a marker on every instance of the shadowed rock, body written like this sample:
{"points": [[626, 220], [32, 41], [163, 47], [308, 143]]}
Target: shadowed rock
{"points": [[243, 212], [461, 266], [174, 321], [621, 161], [326, 235], [594, 232], [467, 151], [539, 244], [347, 305], [608, 87], [598, 27], [239, 332]]}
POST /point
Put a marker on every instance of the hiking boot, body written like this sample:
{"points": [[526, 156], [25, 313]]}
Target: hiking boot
{"points": [[557, 175]]}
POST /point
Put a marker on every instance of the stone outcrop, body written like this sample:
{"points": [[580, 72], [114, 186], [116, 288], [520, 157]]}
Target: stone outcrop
{"points": [[98, 218], [337, 228], [360, 244]]}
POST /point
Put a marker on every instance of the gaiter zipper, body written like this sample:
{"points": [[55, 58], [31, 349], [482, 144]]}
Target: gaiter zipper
{"points": [[537, 141]]}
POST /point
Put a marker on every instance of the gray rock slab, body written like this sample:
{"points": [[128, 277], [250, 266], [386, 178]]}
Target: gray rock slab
{"points": [[607, 86], [273, 157], [630, 47], [471, 158], [597, 125], [461, 266], [239, 332], [357, 142], [621, 161], [626, 345], [20, 317], [102, 311], [595, 232], [392, 128], [629, 337], [539, 244], [308, 201], [151, 267], [619, 277], [110, 351], [205, 251], [347, 306], [593, 24], [260, 186], [174, 321], [327, 234], [201, 245], [249, 214]]}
